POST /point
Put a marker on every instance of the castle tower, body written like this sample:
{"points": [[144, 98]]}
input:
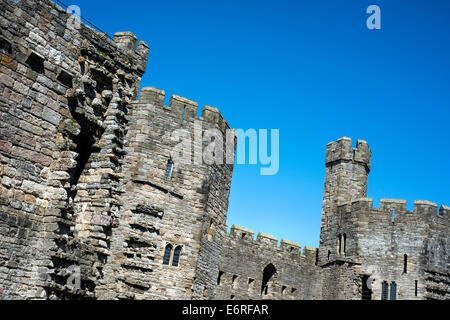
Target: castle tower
{"points": [[346, 176], [174, 212]]}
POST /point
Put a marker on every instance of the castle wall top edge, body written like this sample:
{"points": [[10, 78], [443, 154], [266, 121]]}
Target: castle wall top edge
{"points": [[156, 96], [290, 243], [342, 150]]}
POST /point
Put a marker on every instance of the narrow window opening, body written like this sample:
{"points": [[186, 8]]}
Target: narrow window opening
{"points": [[345, 241], [293, 291], [169, 169], [182, 116], [393, 293], [5, 46], [65, 78], [329, 254], [219, 278], [415, 291], [176, 256], [405, 263], [35, 62], [354, 154], [283, 290], [167, 254], [243, 235], [384, 290], [339, 243], [251, 282], [366, 293]]}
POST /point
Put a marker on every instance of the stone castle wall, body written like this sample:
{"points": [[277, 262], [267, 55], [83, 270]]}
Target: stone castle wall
{"points": [[63, 107], [358, 240], [84, 193], [243, 262], [377, 237], [187, 210]]}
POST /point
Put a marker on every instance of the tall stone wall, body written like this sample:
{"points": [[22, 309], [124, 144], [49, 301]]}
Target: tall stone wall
{"points": [[87, 208], [259, 269], [64, 98], [408, 248], [187, 210]]}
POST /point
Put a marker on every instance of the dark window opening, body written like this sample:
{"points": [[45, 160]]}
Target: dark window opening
{"points": [[393, 293], [250, 281], [384, 290], [167, 254], [340, 243], [35, 62], [283, 290], [243, 235], [65, 78], [219, 278], [169, 169], [345, 241], [232, 297], [293, 291], [405, 263], [5, 46], [415, 291], [176, 256], [329, 254], [366, 293], [268, 273]]}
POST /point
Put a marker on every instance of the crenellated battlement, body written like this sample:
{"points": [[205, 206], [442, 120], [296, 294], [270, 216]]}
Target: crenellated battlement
{"points": [[126, 41], [342, 150], [239, 232], [423, 210], [183, 107], [270, 242]]}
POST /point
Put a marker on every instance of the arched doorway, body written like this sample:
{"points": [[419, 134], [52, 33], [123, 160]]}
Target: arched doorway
{"points": [[268, 274]]}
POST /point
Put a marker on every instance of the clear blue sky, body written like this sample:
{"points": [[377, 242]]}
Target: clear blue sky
{"points": [[313, 70]]}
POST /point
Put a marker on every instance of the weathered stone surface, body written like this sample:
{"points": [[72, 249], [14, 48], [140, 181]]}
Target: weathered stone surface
{"points": [[83, 185]]}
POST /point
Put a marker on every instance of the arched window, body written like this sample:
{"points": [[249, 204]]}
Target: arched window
{"points": [[167, 254], [393, 292], [268, 273], [384, 290], [169, 169], [176, 256], [405, 263]]}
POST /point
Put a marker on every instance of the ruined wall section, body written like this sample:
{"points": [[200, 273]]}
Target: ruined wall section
{"points": [[259, 269], [64, 96], [378, 239], [187, 210]]}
